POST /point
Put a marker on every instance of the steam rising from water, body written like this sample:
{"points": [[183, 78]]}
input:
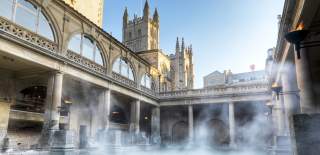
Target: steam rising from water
{"points": [[253, 138]]}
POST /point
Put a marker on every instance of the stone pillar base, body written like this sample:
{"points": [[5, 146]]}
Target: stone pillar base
{"points": [[156, 139], [282, 145], [305, 131], [57, 139]]}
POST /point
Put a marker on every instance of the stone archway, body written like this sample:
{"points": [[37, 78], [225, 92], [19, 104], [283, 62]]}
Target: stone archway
{"points": [[217, 132], [180, 132]]}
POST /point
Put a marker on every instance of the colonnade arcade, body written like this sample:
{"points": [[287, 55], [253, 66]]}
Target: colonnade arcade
{"points": [[63, 75], [218, 124], [61, 72], [81, 42], [44, 100]]}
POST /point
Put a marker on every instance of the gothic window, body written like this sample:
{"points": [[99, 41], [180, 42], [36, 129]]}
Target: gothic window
{"points": [[164, 70], [164, 87], [27, 15], [146, 81], [123, 67], [130, 35], [139, 33], [86, 47]]}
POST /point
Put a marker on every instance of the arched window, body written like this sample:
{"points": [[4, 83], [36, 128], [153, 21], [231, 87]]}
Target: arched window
{"points": [[27, 15], [86, 47], [122, 67], [146, 81], [164, 70]]}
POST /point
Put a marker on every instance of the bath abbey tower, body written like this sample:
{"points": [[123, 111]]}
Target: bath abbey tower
{"points": [[141, 35]]}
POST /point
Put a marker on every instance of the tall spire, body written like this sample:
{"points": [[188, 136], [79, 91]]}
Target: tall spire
{"points": [[146, 10], [182, 45], [125, 17], [177, 46], [156, 16]]}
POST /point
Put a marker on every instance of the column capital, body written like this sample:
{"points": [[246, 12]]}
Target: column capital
{"points": [[55, 72]]}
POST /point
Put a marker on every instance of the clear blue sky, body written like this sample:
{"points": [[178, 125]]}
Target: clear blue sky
{"points": [[225, 34]]}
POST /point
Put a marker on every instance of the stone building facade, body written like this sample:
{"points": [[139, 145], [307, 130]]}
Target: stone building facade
{"points": [[93, 10], [142, 35], [293, 68], [65, 83], [217, 78]]}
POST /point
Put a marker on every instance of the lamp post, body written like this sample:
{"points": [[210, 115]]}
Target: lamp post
{"points": [[295, 37], [303, 68], [277, 89]]}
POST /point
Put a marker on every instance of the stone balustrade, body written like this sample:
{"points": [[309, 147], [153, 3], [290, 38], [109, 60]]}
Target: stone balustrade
{"points": [[123, 80], [24, 36], [17, 31], [21, 35], [216, 91], [85, 62], [119, 126], [147, 90]]}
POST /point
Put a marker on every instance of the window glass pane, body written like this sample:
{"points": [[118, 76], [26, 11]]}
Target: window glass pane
{"points": [[148, 82], [131, 74], [6, 8], [25, 18], [44, 28], [87, 48], [124, 68], [116, 66], [28, 5], [74, 44], [98, 57], [143, 80]]}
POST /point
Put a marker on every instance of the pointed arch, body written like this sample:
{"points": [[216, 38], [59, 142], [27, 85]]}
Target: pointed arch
{"points": [[29, 15], [124, 67], [86, 46], [147, 81]]}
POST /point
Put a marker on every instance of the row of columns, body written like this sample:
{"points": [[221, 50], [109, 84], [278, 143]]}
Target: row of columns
{"points": [[297, 92], [53, 105], [304, 81], [53, 101], [135, 117], [232, 123]]}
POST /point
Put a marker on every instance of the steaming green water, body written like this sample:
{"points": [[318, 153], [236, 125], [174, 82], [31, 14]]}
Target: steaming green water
{"points": [[135, 151]]}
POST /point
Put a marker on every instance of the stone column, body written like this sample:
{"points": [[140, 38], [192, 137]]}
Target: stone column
{"points": [[290, 91], [52, 114], [232, 124], [135, 117], [107, 108], [155, 126], [7, 97], [190, 122], [279, 116], [4, 121], [307, 102], [54, 93]]}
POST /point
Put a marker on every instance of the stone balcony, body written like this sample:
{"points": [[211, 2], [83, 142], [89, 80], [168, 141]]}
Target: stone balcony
{"points": [[22, 36], [253, 91], [32, 116], [252, 88]]}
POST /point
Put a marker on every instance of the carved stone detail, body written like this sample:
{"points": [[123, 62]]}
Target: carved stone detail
{"points": [[123, 80], [24, 34], [85, 62]]}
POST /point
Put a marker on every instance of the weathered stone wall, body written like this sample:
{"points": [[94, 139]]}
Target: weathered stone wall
{"points": [[93, 10], [168, 119]]}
